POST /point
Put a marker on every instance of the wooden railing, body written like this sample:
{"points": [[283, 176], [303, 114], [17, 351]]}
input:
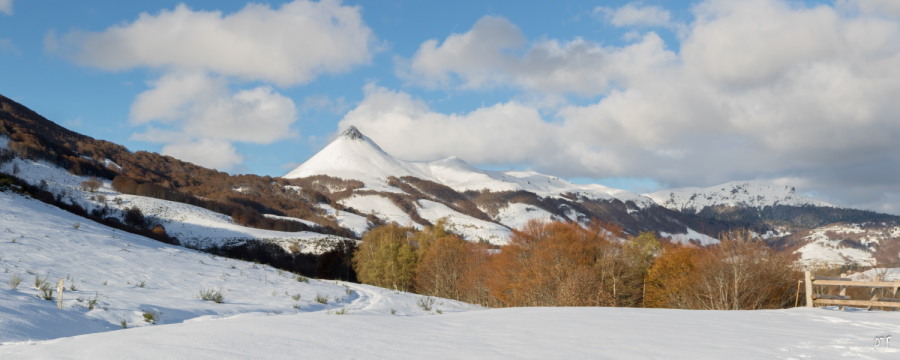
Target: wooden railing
{"points": [[875, 299]]}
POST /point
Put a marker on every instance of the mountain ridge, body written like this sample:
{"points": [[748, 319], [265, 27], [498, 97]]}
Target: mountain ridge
{"points": [[353, 155], [752, 193], [353, 184]]}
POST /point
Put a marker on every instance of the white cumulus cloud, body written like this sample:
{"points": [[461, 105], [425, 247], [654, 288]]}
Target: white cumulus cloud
{"points": [[494, 53], [207, 152], [407, 127], [197, 106], [287, 46]]}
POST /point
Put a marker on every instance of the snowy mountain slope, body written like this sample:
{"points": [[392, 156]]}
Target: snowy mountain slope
{"points": [[355, 156], [192, 225], [374, 204], [691, 236], [517, 333], [516, 215], [755, 194], [842, 244], [127, 276], [358, 224], [469, 228]]}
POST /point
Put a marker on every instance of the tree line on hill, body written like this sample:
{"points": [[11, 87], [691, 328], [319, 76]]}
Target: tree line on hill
{"points": [[565, 264]]}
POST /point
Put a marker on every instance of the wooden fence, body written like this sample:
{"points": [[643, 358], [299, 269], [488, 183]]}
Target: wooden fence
{"points": [[875, 299]]}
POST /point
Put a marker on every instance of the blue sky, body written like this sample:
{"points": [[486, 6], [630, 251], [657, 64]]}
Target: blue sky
{"points": [[637, 95]]}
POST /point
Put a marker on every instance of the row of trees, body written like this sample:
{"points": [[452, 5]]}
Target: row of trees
{"points": [[564, 264]]}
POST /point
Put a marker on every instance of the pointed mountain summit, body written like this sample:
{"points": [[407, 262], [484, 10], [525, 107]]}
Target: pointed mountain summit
{"points": [[353, 133], [353, 155]]}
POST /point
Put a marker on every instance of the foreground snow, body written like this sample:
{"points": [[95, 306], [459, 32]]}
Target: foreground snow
{"points": [[532, 333], [119, 277]]}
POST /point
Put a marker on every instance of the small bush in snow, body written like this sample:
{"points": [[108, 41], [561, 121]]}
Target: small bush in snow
{"points": [[151, 316], [93, 302], [91, 184], [321, 299], [296, 297], [15, 281], [425, 303], [124, 324], [301, 278], [212, 295], [46, 291]]}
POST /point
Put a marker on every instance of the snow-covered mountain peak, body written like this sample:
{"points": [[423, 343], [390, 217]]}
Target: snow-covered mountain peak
{"points": [[352, 155], [736, 193]]}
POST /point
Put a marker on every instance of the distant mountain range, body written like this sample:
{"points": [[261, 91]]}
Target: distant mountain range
{"points": [[352, 185], [753, 194]]}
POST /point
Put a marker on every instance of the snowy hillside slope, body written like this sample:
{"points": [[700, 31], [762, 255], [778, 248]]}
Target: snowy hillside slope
{"points": [[192, 225], [516, 333], [113, 277], [358, 224], [355, 156], [515, 216], [841, 244], [756, 194], [464, 225], [374, 204]]}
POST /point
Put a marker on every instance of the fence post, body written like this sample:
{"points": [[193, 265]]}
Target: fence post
{"points": [[59, 293], [809, 288]]}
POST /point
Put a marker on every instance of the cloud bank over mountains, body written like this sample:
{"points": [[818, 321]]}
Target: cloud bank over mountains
{"points": [[755, 89], [799, 93]]}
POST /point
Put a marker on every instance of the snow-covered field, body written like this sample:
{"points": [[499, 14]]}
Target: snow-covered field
{"points": [[522, 333], [270, 314], [113, 277]]}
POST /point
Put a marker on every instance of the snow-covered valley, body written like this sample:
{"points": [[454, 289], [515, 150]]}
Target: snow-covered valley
{"points": [[115, 280]]}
